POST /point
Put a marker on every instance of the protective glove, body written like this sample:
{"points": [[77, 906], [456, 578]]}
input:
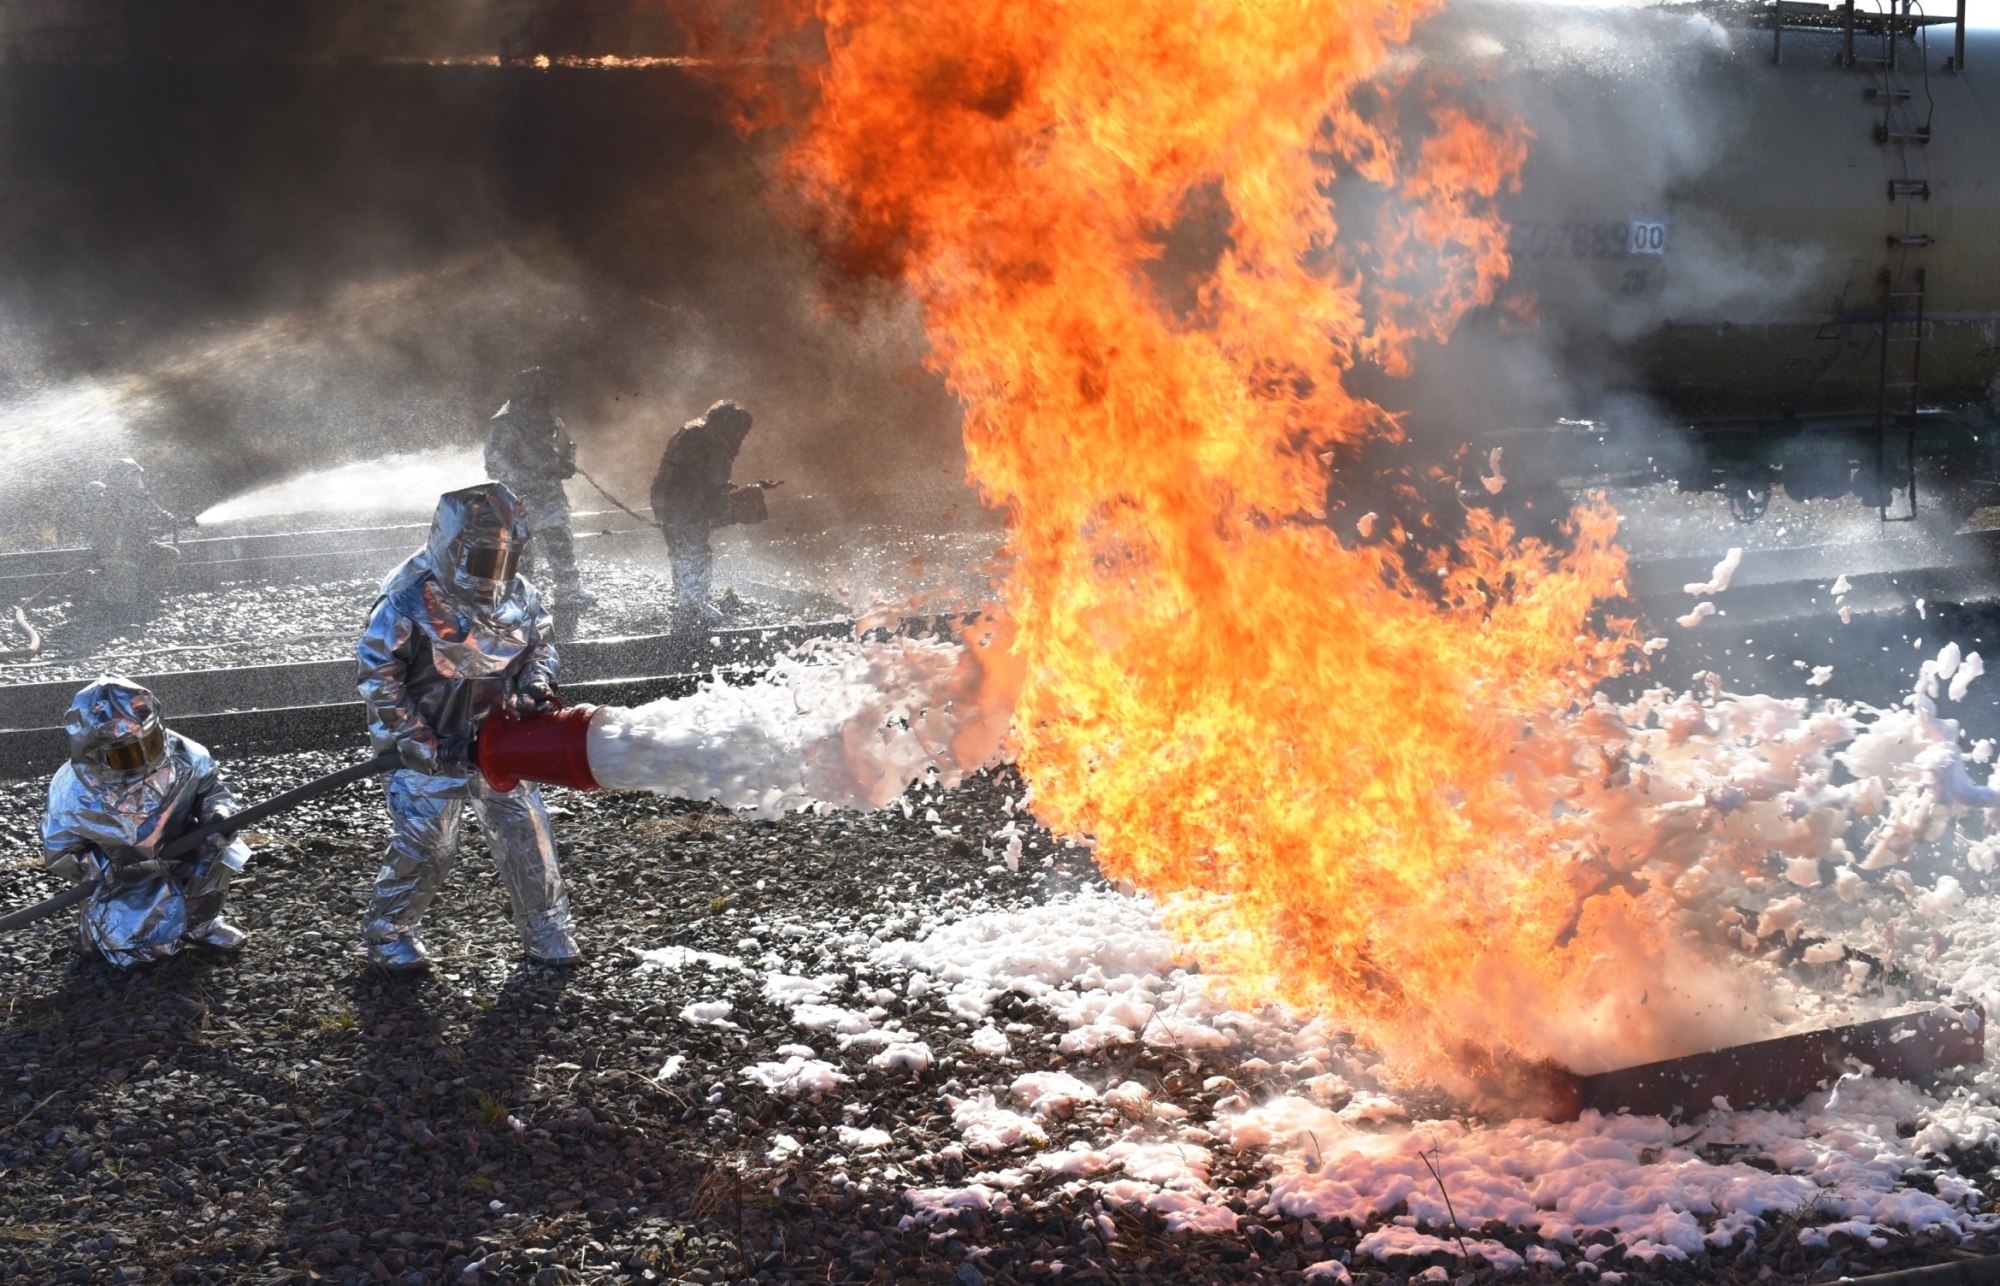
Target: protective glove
{"points": [[83, 867], [419, 751], [126, 865], [454, 752], [536, 696], [216, 849]]}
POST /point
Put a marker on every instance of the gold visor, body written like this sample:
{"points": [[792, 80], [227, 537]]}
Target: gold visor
{"points": [[483, 562], [146, 748]]}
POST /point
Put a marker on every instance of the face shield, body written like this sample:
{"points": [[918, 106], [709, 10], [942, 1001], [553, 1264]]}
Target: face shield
{"points": [[488, 563], [475, 543], [115, 724]]}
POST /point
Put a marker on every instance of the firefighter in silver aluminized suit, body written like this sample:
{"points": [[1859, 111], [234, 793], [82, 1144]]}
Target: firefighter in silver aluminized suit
{"points": [[456, 636], [131, 787], [529, 448]]}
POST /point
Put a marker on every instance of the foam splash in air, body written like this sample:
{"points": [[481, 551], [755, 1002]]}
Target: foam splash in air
{"points": [[850, 724], [1682, 803], [1719, 578]]}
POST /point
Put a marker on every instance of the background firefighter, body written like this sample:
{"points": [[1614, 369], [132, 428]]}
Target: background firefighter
{"points": [[131, 787], [129, 534], [455, 637], [530, 450], [692, 496]]}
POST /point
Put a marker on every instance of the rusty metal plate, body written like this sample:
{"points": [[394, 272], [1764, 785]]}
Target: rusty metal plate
{"points": [[1790, 1067]]}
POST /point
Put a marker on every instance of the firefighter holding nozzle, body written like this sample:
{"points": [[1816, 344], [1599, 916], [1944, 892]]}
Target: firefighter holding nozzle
{"points": [[131, 787], [458, 636], [692, 496]]}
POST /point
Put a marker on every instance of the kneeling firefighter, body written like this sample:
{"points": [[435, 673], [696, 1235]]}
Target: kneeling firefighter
{"points": [[456, 637], [131, 787]]}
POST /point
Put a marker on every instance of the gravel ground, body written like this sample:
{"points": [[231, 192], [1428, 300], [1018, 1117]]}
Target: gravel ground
{"points": [[295, 1116]]}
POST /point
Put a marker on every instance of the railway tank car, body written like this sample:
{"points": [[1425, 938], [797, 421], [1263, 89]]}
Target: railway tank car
{"points": [[1760, 245]]}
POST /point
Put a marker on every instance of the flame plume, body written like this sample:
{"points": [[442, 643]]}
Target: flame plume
{"points": [[1321, 757]]}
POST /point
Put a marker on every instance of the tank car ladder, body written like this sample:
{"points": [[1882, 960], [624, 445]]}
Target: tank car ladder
{"points": [[1903, 136], [1902, 131], [1899, 308]]}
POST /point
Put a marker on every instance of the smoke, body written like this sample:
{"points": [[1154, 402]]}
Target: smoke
{"points": [[1641, 207], [270, 270], [287, 268]]}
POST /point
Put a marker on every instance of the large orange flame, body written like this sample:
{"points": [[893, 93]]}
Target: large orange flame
{"points": [[1322, 757]]}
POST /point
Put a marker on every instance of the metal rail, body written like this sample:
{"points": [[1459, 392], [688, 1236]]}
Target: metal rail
{"points": [[1961, 1272], [333, 726], [334, 551], [270, 686]]}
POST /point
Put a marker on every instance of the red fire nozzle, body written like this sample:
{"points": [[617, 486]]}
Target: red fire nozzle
{"points": [[553, 749]]}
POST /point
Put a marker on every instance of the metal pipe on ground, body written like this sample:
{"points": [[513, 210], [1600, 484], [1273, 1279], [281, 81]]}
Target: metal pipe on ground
{"points": [[1789, 1067], [1962, 1272]]}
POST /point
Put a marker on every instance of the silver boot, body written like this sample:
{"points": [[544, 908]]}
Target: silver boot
{"points": [[402, 952], [218, 934]]}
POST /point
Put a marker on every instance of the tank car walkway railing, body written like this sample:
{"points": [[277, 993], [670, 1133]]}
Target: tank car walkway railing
{"points": [[1851, 22]]}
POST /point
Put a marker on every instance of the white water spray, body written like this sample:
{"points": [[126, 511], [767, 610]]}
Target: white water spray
{"points": [[406, 484]]}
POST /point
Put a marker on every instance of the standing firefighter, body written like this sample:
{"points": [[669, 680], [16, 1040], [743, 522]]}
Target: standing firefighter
{"points": [[529, 449], [455, 637], [692, 496], [131, 787], [128, 533]]}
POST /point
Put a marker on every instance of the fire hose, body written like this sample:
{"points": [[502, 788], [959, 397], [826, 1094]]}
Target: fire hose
{"points": [[650, 522], [34, 647], [654, 523], [550, 748]]}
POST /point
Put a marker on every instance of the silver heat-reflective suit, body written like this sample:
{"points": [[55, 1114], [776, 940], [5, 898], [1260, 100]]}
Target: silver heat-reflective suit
{"points": [[110, 823], [529, 448], [441, 652]]}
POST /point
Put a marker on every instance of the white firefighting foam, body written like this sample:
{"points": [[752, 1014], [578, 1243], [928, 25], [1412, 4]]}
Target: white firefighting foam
{"points": [[1703, 789], [1783, 835], [1326, 1119], [848, 724], [1733, 823]]}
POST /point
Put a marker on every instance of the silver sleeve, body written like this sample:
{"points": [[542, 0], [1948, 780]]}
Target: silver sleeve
{"points": [[383, 658], [60, 838], [543, 660]]}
